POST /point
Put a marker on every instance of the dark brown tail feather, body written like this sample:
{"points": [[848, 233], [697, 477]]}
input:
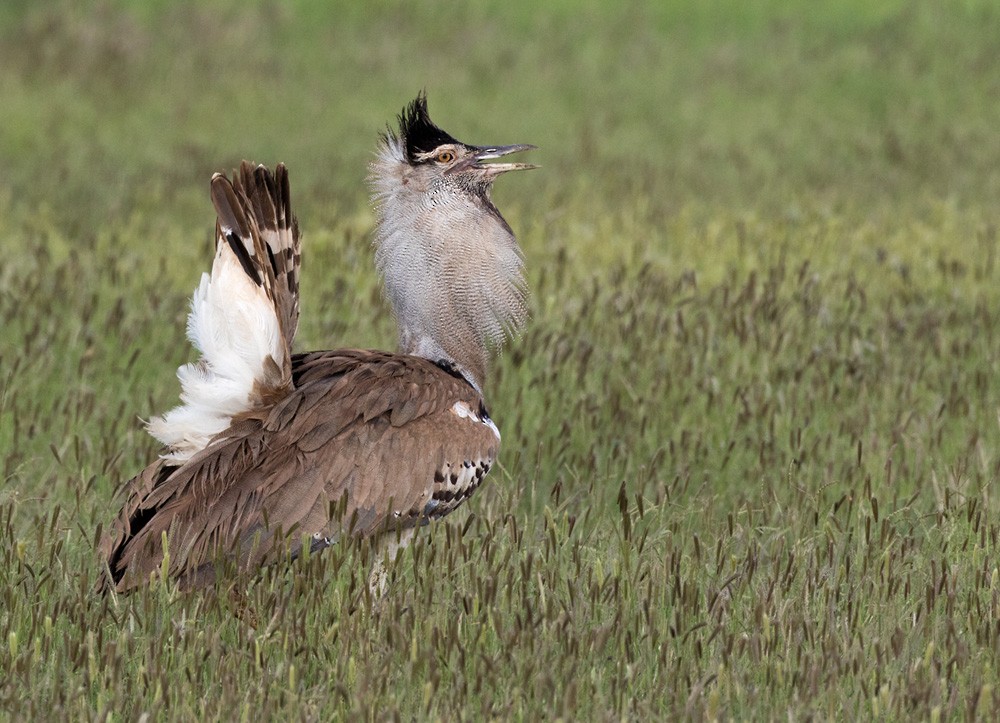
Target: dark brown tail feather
{"points": [[256, 207]]}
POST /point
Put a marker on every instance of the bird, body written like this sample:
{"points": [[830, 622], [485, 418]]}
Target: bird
{"points": [[273, 453]]}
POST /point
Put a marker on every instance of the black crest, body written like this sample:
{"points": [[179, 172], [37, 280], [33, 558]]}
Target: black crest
{"points": [[418, 132]]}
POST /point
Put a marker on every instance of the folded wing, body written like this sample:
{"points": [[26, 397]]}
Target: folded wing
{"points": [[366, 445]]}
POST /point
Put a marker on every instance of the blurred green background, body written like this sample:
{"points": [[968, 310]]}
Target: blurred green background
{"points": [[645, 112], [748, 104]]}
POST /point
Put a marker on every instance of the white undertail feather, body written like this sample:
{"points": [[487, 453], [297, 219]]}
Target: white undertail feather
{"points": [[234, 326], [243, 316]]}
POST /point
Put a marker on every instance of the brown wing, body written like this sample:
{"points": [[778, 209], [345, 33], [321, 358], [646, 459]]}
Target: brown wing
{"points": [[366, 443]]}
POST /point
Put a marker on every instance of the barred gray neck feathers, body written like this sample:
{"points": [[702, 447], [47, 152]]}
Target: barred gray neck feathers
{"points": [[450, 264]]}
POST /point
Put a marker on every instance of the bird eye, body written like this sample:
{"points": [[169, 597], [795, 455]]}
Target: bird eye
{"points": [[445, 157]]}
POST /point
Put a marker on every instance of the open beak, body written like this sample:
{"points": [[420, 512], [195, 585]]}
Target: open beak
{"points": [[488, 153]]}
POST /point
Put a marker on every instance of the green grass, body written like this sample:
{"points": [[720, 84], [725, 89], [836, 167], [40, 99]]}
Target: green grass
{"points": [[751, 441]]}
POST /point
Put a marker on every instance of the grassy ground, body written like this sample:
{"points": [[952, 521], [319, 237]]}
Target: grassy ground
{"points": [[751, 446]]}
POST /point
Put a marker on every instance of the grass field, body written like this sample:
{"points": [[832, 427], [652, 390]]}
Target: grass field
{"points": [[751, 441]]}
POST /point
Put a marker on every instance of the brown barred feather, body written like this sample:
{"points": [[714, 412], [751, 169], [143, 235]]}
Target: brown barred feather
{"points": [[356, 432]]}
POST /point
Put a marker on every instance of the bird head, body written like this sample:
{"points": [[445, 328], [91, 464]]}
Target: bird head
{"points": [[435, 152]]}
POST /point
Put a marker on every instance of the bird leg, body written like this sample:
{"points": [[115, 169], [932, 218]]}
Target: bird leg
{"points": [[385, 554]]}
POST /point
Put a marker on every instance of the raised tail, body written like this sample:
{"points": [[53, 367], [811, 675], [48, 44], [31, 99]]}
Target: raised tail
{"points": [[243, 315]]}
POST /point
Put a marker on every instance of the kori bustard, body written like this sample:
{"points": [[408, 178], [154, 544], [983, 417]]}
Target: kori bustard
{"points": [[271, 450]]}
